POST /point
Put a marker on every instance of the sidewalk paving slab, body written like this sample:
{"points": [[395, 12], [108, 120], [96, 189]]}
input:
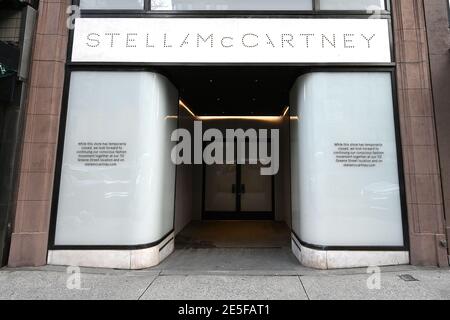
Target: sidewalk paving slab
{"points": [[431, 285], [51, 285], [226, 288]]}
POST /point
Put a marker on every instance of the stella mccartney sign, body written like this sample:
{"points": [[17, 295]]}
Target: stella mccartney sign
{"points": [[231, 40]]}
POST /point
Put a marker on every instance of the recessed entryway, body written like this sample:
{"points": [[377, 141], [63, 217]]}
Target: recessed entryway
{"points": [[231, 208]]}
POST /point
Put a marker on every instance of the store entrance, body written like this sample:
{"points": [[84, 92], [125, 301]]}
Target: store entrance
{"points": [[237, 192], [233, 203]]}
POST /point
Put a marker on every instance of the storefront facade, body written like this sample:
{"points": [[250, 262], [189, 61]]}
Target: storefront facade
{"points": [[357, 179]]}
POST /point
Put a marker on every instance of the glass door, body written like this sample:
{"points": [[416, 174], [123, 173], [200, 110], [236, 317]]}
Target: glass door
{"points": [[237, 192], [256, 190], [220, 191]]}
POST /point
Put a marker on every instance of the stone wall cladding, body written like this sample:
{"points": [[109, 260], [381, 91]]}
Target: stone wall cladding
{"points": [[438, 33], [418, 134], [32, 218]]}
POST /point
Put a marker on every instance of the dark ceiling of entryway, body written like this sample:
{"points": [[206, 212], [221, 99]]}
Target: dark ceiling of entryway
{"points": [[234, 90]]}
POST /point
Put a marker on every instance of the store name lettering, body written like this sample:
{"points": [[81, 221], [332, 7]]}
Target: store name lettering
{"points": [[245, 40]]}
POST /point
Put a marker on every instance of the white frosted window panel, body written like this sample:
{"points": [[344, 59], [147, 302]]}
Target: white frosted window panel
{"points": [[337, 203], [112, 4], [369, 5], [231, 5], [130, 202]]}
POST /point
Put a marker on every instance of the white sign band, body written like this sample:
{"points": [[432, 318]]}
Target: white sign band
{"points": [[231, 40]]}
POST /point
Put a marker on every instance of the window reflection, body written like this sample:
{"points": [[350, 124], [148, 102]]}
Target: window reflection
{"points": [[363, 5], [224, 5], [112, 4]]}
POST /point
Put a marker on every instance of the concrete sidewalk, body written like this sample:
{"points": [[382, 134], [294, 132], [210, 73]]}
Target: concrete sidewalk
{"points": [[202, 274]]}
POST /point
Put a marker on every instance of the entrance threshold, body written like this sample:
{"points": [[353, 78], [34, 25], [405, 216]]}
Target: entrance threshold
{"points": [[234, 234]]}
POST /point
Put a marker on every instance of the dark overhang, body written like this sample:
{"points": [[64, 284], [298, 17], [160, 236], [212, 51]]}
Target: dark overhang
{"points": [[18, 4], [9, 62]]}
